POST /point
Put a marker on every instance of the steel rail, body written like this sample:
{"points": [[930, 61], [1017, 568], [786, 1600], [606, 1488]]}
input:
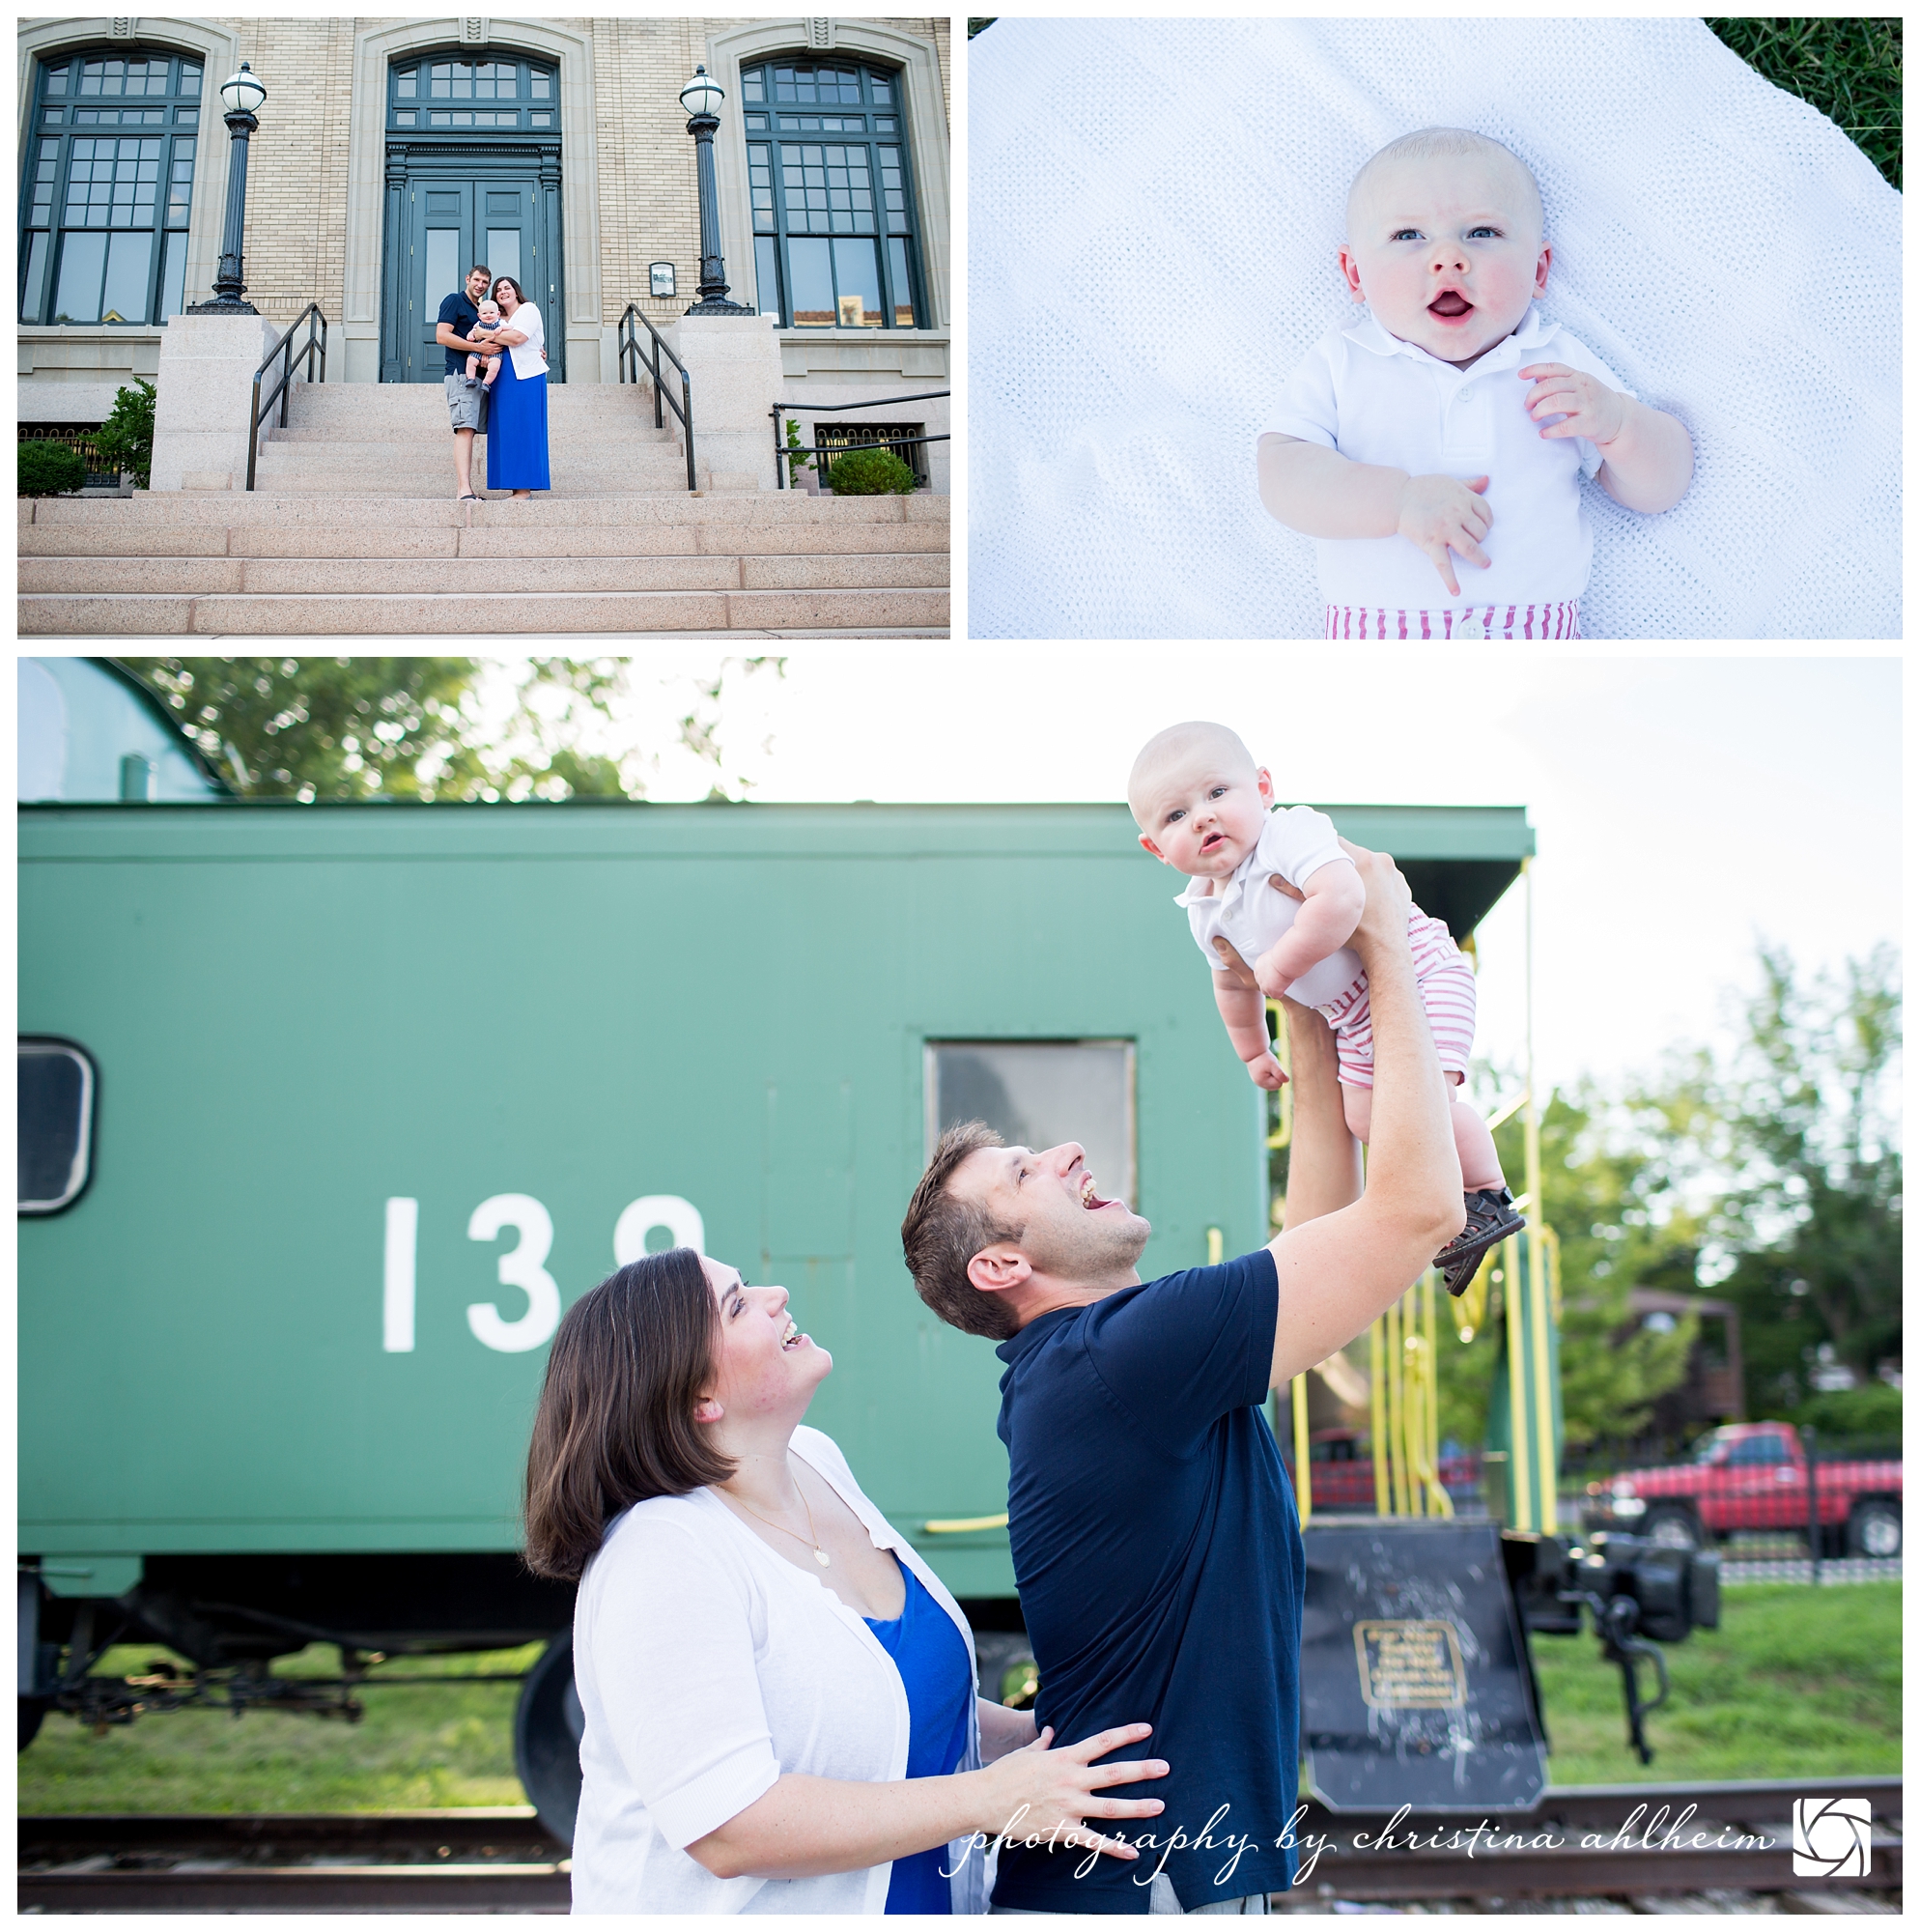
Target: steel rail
{"points": [[286, 355], [633, 357], [330, 1888], [502, 1858], [784, 471]]}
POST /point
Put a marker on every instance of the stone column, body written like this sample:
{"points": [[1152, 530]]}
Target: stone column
{"points": [[734, 365], [206, 399]]}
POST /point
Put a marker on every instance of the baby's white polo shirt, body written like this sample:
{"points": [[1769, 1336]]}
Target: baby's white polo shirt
{"points": [[1377, 399]]}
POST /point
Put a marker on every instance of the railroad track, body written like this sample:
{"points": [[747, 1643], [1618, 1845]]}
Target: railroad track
{"points": [[1678, 1847]]}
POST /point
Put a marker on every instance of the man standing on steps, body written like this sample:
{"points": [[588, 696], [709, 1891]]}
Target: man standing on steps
{"points": [[460, 313]]}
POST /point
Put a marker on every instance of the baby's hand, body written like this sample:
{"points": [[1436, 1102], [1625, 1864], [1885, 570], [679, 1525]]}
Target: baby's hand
{"points": [[1267, 1073], [1442, 513], [1590, 408], [1270, 981]]}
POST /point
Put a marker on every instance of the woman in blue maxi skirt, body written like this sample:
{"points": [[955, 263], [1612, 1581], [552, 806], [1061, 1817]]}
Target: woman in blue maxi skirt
{"points": [[517, 399]]}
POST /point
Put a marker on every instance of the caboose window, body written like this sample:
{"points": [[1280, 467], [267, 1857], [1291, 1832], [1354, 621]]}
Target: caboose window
{"points": [[1038, 1092], [56, 1138]]}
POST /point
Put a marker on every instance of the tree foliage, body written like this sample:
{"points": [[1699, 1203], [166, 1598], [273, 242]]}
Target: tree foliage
{"points": [[1606, 1176], [126, 437], [362, 727], [1766, 1175], [1810, 1221]]}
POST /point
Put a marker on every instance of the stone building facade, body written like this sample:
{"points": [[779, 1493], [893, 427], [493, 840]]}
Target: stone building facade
{"points": [[568, 133]]}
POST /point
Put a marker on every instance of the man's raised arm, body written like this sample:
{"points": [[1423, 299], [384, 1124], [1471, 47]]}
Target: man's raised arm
{"points": [[1341, 1266]]}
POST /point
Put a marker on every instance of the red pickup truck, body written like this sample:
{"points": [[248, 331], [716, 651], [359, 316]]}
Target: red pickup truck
{"points": [[1752, 1476]]}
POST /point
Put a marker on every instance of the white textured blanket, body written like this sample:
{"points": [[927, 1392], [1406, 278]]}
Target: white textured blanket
{"points": [[1154, 209]]}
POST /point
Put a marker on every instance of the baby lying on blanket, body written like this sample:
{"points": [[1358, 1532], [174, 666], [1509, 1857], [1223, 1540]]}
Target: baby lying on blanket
{"points": [[1453, 410], [1276, 887]]}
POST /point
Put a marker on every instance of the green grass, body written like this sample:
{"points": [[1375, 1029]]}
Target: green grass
{"points": [[1798, 1682], [418, 1746], [1849, 68]]}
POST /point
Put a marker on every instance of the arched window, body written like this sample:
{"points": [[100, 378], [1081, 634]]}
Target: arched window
{"points": [[446, 91], [834, 239], [109, 183]]}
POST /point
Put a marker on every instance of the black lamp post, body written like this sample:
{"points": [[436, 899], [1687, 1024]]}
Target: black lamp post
{"points": [[702, 98], [243, 94]]}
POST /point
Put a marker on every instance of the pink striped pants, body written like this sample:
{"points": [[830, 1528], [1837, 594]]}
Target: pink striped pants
{"points": [[1446, 981], [1477, 623]]}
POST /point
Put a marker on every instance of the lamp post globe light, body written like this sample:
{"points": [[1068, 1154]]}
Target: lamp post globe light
{"points": [[702, 98], [242, 93]]}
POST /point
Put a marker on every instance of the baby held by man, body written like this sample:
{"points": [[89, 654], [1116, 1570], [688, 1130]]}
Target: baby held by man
{"points": [[1275, 889]]}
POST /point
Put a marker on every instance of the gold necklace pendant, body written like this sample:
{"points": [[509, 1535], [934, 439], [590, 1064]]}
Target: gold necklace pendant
{"points": [[821, 1557]]}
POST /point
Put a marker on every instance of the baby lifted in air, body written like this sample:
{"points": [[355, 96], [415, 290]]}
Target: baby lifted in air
{"points": [[1276, 887], [1453, 420]]}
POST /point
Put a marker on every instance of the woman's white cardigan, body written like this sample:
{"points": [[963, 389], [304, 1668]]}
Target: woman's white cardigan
{"points": [[707, 1666], [526, 321]]}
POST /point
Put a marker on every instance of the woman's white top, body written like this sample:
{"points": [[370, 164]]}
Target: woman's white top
{"points": [[707, 1668], [525, 321]]}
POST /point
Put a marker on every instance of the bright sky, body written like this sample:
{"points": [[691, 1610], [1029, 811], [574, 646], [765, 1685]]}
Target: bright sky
{"points": [[1683, 806]]}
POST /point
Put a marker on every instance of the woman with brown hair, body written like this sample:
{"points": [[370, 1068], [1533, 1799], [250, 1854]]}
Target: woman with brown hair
{"points": [[778, 1694], [516, 409]]}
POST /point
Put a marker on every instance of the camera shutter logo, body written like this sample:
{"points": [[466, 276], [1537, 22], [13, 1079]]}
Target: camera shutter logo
{"points": [[1832, 1838]]}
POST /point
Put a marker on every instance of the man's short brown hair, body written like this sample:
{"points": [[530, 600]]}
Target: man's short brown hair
{"points": [[941, 1234]]}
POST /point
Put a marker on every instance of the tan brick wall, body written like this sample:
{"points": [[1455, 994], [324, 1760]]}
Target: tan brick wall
{"points": [[649, 197], [941, 33], [296, 164], [649, 192]]}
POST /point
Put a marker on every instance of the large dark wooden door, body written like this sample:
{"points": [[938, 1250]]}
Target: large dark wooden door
{"points": [[447, 210]]}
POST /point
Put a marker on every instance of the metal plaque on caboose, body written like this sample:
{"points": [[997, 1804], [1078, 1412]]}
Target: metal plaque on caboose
{"points": [[1416, 1687]]}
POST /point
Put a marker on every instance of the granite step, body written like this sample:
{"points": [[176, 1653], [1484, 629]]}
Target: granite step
{"points": [[473, 575], [613, 432], [239, 509], [282, 562], [321, 403], [286, 538], [416, 468], [447, 615]]}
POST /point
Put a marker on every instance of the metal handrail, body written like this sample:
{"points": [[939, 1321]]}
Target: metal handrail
{"points": [[781, 449], [284, 348], [630, 345]]}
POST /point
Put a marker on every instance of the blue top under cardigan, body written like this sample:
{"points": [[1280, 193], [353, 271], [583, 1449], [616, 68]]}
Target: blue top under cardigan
{"points": [[931, 1658]]}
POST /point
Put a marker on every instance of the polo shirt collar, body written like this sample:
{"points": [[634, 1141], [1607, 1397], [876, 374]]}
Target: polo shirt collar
{"points": [[1022, 1340], [1233, 889], [1534, 333]]}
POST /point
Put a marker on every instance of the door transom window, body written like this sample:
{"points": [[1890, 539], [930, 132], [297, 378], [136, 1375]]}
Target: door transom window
{"points": [[449, 90]]}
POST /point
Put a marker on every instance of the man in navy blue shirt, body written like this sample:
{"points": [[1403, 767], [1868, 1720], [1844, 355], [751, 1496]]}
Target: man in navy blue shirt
{"points": [[466, 409], [1153, 1533]]}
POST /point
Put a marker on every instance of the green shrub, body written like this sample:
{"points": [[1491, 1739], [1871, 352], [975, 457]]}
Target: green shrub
{"points": [[127, 436], [50, 468], [796, 463], [869, 473], [1871, 1409]]}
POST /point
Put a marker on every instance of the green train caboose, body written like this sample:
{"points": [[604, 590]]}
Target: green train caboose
{"points": [[331, 1109]]}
